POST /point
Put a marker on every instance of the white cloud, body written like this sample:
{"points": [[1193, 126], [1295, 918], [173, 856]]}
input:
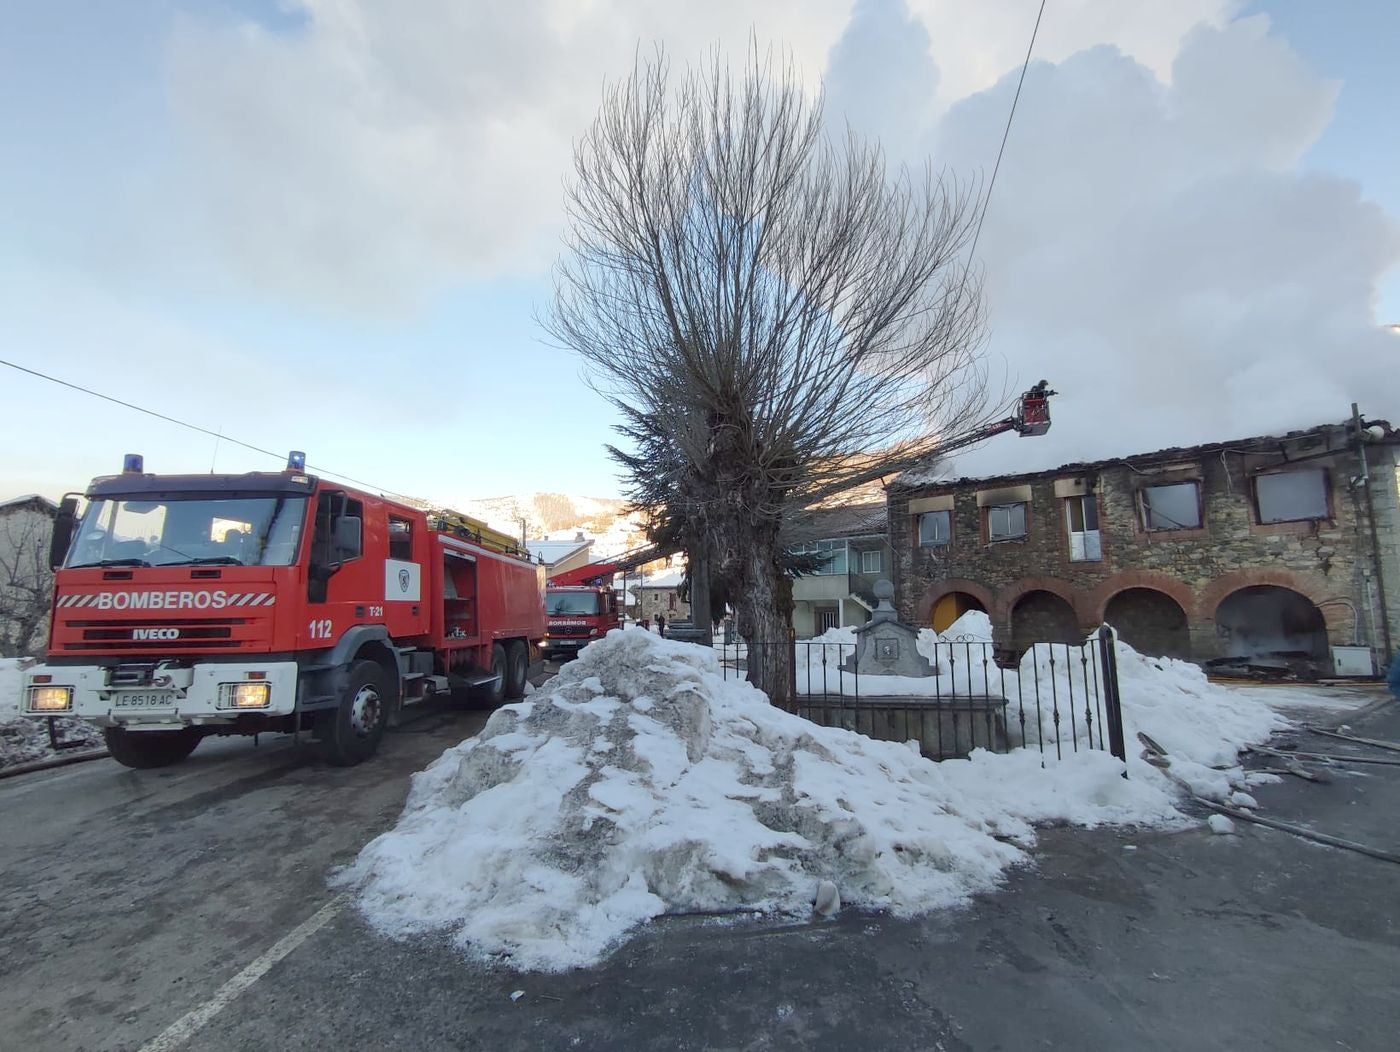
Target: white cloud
{"points": [[383, 151], [1152, 249]]}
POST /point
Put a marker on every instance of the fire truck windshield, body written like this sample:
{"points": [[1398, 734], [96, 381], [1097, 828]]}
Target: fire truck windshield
{"points": [[233, 531], [557, 604]]}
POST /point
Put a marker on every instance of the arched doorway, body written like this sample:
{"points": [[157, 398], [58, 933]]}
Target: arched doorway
{"points": [[1149, 621], [1270, 624], [1043, 617], [952, 606]]}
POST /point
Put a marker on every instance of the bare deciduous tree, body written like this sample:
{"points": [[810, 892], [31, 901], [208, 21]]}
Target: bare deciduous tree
{"points": [[26, 583], [776, 315]]}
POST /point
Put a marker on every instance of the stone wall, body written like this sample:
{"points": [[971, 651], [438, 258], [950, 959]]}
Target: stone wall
{"points": [[1187, 572]]}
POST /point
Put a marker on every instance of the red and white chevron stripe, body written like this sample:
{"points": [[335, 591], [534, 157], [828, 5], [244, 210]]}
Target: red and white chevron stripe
{"points": [[233, 599]]}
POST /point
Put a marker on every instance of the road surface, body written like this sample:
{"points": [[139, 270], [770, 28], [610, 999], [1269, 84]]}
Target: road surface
{"points": [[150, 910]]}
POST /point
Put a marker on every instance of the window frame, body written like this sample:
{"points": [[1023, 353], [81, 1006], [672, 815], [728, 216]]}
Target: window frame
{"points": [[948, 523], [1144, 510], [990, 509], [1326, 482], [879, 561], [1071, 532]]}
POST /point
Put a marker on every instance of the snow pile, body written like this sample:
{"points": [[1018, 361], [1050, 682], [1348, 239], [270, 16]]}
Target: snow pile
{"points": [[25, 740], [1199, 724], [640, 782]]}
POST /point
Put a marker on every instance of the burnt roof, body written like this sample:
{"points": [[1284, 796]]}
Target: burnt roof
{"points": [[1258, 445]]}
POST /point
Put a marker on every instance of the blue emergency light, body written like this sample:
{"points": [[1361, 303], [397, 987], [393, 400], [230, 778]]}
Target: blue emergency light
{"points": [[296, 460], [133, 464]]}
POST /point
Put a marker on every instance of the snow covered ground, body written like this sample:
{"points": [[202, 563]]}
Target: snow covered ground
{"points": [[23, 740], [641, 782]]}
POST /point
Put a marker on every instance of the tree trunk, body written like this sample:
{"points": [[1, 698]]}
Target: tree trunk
{"points": [[767, 630]]}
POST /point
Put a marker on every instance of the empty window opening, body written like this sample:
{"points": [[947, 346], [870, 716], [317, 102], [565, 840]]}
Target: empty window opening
{"points": [[1291, 496], [1173, 506]]}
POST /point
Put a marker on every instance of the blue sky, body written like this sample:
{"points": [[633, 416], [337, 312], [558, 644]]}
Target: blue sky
{"points": [[312, 232]]}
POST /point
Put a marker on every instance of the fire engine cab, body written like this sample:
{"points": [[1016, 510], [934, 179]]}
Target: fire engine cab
{"points": [[189, 605]]}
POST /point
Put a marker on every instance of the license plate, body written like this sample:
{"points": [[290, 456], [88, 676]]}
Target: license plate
{"points": [[158, 699]]}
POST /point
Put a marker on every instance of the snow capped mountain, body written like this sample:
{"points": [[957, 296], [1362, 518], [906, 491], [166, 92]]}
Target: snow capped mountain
{"points": [[560, 516]]}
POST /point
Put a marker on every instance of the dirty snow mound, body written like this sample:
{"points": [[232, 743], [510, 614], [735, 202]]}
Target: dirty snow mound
{"points": [[640, 782]]}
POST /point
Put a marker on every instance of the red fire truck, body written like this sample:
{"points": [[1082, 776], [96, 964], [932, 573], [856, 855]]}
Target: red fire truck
{"points": [[581, 605], [190, 605]]}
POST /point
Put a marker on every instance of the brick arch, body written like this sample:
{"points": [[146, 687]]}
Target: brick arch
{"points": [[1008, 597], [936, 591], [1228, 583], [1096, 602]]}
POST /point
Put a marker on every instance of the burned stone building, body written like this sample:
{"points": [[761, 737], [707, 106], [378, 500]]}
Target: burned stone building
{"points": [[1274, 550]]}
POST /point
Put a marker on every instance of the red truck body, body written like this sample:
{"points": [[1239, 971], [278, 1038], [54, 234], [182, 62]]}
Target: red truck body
{"points": [[199, 604]]}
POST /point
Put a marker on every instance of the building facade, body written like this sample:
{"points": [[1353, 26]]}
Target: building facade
{"points": [[1264, 551], [850, 552], [26, 583]]}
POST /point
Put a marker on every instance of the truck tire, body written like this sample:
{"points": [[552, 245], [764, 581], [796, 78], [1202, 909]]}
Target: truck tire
{"points": [[517, 668], [146, 749], [500, 667], [351, 731]]}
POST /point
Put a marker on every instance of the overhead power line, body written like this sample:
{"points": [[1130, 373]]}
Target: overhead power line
{"points": [[218, 436], [977, 234]]}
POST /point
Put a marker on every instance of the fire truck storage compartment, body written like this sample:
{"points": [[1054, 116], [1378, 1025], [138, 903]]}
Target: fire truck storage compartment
{"points": [[458, 596]]}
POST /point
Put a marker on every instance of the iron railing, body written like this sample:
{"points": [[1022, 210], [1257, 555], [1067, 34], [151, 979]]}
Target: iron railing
{"points": [[1059, 698]]}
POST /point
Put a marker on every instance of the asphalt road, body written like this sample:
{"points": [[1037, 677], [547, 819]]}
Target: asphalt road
{"points": [[133, 898]]}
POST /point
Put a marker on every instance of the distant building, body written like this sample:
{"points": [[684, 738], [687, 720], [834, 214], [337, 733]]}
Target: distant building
{"points": [[852, 553], [561, 556], [659, 595], [1270, 550], [26, 526]]}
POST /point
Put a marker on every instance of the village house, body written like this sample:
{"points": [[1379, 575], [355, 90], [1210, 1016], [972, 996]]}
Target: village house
{"points": [[561, 556], [851, 552], [1273, 550], [659, 595], [26, 525]]}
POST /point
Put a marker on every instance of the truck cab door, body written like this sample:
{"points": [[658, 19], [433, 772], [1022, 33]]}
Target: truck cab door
{"points": [[334, 569], [406, 603]]}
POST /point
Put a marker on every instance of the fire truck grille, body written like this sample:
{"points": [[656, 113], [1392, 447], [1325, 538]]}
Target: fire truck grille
{"points": [[205, 634]]}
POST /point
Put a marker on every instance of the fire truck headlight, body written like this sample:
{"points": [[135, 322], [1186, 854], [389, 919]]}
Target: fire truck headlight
{"points": [[50, 699], [244, 695], [592, 631]]}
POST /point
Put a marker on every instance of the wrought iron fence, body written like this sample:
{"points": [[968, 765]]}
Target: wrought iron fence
{"points": [[1059, 698]]}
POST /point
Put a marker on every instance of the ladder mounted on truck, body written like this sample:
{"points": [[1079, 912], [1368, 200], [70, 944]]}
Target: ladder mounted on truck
{"points": [[601, 572], [456, 524]]}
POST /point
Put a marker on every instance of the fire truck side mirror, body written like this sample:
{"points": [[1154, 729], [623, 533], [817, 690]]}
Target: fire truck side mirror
{"points": [[346, 540], [62, 531]]}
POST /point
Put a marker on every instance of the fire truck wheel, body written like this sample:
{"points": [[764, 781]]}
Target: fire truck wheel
{"points": [[517, 669], [353, 730], [500, 668], [146, 749]]}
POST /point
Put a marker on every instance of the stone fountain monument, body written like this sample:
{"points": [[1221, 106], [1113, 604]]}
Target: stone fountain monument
{"points": [[885, 645], [947, 718]]}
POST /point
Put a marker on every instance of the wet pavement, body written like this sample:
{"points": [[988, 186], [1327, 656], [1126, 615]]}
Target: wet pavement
{"points": [[133, 897]]}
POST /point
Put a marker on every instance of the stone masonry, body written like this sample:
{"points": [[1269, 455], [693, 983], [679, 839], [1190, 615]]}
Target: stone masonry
{"points": [[1314, 582]]}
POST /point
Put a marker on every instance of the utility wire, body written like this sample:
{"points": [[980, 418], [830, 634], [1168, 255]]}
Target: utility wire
{"points": [[217, 436], [977, 234]]}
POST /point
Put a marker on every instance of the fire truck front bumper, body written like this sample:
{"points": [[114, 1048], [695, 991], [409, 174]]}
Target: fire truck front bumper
{"points": [[202, 694]]}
